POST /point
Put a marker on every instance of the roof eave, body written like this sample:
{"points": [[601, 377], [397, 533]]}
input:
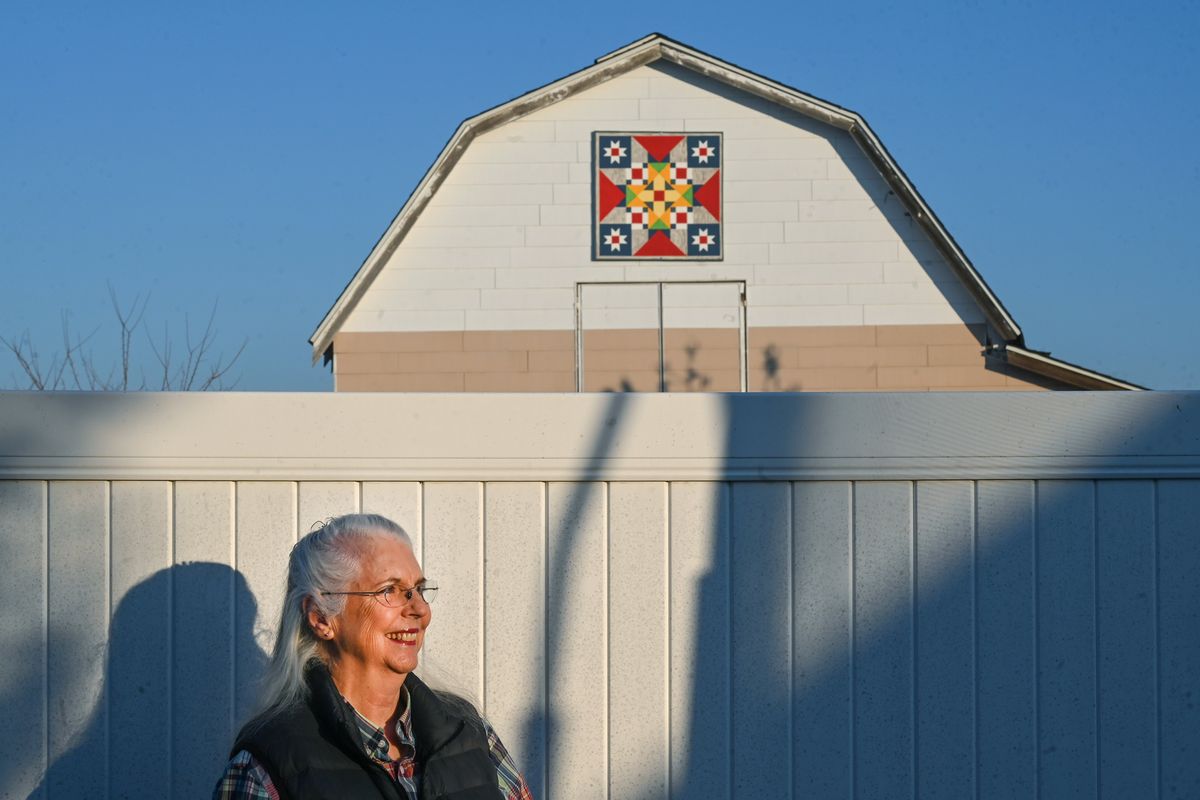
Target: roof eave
{"points": [[1073, 374]]}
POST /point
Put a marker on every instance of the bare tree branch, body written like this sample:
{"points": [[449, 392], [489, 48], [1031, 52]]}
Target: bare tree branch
{"points": [[76, 368], [217, 371], [73, 353], [163, 356], [27, 359], [129, 322]]}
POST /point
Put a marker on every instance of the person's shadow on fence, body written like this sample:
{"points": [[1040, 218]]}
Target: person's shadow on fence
{"points": [[180, 661]]}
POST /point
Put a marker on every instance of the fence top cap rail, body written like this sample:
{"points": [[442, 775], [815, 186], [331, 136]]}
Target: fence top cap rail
{"points": [[572, 436]]}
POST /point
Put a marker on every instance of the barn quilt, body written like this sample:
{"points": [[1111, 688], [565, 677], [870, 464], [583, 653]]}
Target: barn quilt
{"points": [[657, 195]]}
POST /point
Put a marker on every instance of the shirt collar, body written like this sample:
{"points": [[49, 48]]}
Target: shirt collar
{"points": [[373, 737]]}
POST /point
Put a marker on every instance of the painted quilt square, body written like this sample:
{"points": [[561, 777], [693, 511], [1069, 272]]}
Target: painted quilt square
{"points": [[656, 195], [615, 239]]}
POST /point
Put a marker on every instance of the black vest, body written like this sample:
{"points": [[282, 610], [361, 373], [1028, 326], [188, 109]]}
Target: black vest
{"points": [[314, 750]]}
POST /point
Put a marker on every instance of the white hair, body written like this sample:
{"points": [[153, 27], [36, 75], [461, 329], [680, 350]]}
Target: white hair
{"points": [[327, 559]]}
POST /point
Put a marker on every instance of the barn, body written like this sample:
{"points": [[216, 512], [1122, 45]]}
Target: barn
{"points": [[666, 221]]}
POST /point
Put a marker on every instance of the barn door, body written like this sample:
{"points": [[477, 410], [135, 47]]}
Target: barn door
{"points": [[654, 337]]}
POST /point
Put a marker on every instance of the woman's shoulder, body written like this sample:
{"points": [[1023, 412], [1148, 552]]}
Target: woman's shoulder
{"points": [[245, 779], [274, 726]]}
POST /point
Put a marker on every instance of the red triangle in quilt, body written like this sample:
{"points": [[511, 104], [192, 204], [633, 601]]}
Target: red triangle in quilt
{"points": [[659, 244], [611, 195], [658, 148], [709, 195]]}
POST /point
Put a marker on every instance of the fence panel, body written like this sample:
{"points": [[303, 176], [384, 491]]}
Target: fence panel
{"points": [[399, 501], [1125, 634], [823, 526], [515, 620], [23, 608], [265, 532], [760, 664], [1066, 638], [320, 500], [883, 639], [202, 647], [700, 612], [77, 626], [1005, 677], [576, 646], [453, 550], [944, 581], [639, 708], [139, 637], [1178, 517], [677, 596]]}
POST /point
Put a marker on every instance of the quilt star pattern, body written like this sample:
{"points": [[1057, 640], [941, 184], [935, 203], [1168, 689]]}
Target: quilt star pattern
{"points": [[657, 195]]}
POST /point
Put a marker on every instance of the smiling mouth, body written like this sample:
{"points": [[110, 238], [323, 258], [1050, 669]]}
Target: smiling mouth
{"points": [[404, 637]]}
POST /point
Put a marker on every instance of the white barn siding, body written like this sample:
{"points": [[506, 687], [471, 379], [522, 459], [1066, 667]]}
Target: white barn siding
{"points": [[804, 213]]}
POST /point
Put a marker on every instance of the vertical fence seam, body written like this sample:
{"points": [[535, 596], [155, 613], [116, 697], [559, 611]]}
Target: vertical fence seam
{"points": [[296, 510], [172, 501], [606, 488], [233, 608], [483, 593], [1154, 516], [45, 624], [105, 683], [915, 755], [545, 687], [791, 636], [667, 628], [852, 633], [1096, 717], [1037, 690], [975, 638], [727, 487]]}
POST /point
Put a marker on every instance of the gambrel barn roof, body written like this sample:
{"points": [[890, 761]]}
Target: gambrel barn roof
{"points": [[659, 48]]}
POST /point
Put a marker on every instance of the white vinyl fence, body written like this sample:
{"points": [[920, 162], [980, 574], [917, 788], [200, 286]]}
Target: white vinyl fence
{"points": [[651, 596]]}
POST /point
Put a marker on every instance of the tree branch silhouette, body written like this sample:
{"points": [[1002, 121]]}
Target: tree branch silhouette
{"points": [[74, 366]]}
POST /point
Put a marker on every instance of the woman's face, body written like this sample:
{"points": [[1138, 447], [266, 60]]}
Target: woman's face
{"points": [[372, 641]]}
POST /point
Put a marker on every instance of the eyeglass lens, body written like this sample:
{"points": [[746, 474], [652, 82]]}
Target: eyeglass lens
{"points": [[400, 596]]}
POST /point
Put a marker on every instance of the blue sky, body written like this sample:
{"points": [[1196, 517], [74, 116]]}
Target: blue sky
{"points": [[251, 154]]}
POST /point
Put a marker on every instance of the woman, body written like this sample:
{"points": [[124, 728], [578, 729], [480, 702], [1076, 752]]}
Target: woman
{"points": [[342, 714]]}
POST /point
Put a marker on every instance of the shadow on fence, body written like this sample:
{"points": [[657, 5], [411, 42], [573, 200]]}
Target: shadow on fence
{"points": [[542, 725], [944, 638], [151, 685]]}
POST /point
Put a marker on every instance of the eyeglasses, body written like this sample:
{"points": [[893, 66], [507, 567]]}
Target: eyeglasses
{"points": [[395, 595]]}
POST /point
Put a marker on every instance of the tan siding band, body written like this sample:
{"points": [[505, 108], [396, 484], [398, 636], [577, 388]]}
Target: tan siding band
{"points": [[797, 359]]}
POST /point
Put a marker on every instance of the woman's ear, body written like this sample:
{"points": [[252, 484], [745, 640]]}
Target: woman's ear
{"points": [[317, 620]]}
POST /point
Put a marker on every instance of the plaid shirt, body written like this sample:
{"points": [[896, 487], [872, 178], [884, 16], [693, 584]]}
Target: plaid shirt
{"points": [[246, 779]]}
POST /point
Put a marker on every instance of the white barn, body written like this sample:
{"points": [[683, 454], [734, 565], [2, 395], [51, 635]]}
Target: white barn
{"points": [[827, 271]]}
